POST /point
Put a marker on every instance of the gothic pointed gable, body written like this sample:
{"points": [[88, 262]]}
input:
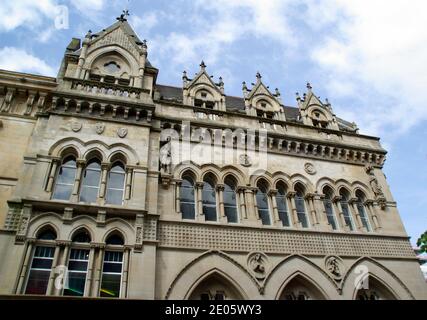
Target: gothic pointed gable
{"points": [[316, 113], [202, 91], [260, 101]]}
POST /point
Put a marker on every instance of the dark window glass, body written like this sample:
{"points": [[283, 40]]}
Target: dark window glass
{"points": [[116, 184], [204, 297], [39, 274], [219, 296], [300, 206], [187, 199], [47, 235], [327, 202], [77, 271], [90, 184], [65, 179], [209, 201], [82, 236], [115, 239], [262, 204], [111, 274]]}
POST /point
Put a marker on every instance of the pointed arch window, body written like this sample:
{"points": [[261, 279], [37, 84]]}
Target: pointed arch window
{"points": [[116, 184], [262, 202], [209, 198], [230, 201], [41, 264], [327, 203], [112, 269], [300, 206], [282, 207], [187, 204], [361, 209], [78, 264], [91, 180], [65, 179], [346, 209]]}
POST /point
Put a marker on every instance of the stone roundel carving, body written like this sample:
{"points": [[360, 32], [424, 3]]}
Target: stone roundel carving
{"points": [[99, 127], [122, 132], [309, 168], [258, 265], [245, 160], [76, 126], [335, 267]]}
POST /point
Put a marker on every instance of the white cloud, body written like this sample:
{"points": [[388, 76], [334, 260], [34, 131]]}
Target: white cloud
{"points": [[18, 60], [88, 5], [380, 47]]}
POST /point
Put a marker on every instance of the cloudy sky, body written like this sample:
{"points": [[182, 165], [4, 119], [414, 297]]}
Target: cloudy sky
{"points": [[369, 57]]}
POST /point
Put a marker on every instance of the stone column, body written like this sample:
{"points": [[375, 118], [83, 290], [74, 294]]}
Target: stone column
{"points": [[293, 209], [373, 213], [97, 278], [105, 166], [337, 206], [52, 173], [64, 262], [80, 166], [199, 200], [355, 213], [129, 172], [123, 292], [52, 276], [250, 205], [272, 194], [320, 207], [220, 193], [314, 218], [240, 193], [89, 277], [28, 252], [178, 196]]}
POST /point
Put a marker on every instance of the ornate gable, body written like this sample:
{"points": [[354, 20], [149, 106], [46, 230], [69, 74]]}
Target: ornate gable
{"points": [[202, 91], [259, 101], [316, 113]]}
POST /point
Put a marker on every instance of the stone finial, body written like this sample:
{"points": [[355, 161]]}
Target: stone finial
{"points": [[89, 34], [221, 83], [184, 75], [277, 92], [202, 65], [309, 87], [244, 87], [297, 95], [258, 76]]}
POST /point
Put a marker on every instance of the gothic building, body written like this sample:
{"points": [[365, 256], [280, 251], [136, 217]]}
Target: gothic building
{"points": [[113, 185]]}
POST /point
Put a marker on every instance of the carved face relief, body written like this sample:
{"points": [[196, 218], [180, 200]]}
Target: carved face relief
{"points": [[245, 160], [122, 132], [99, 127]]}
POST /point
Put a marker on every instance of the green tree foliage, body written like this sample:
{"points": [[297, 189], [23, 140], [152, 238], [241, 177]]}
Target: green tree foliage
{"points": [[422, 242]]}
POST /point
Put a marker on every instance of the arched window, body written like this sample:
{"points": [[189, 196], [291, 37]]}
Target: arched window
{"points": [[300, 205], [112, 269], [230, 203], [116, 184], [187, 197], [41, 264], [361, 209], [282, 207], [78, 264], [65, 179], [91, 179], [209, 198], [327, 202], [346, 209], [262, 202]]}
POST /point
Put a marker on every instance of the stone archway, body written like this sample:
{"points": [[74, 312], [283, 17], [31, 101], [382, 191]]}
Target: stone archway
{"points": [[202, 272], [301, 288], [215, 286], [375, 291]]}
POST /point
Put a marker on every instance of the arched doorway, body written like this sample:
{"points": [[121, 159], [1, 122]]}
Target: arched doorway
{"points": [[300, 288], [215, 287], [375, 290]]}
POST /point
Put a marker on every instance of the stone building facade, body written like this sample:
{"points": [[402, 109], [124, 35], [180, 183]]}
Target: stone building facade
{"points": [[115, 186]]}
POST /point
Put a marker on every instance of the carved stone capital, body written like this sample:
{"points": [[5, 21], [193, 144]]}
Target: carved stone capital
{"points": [[220, 187], [63, 243], [81, 162], [199, 184], [105, 166], [352, 200], [336, 199], [291, 194], [272, 192]]}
